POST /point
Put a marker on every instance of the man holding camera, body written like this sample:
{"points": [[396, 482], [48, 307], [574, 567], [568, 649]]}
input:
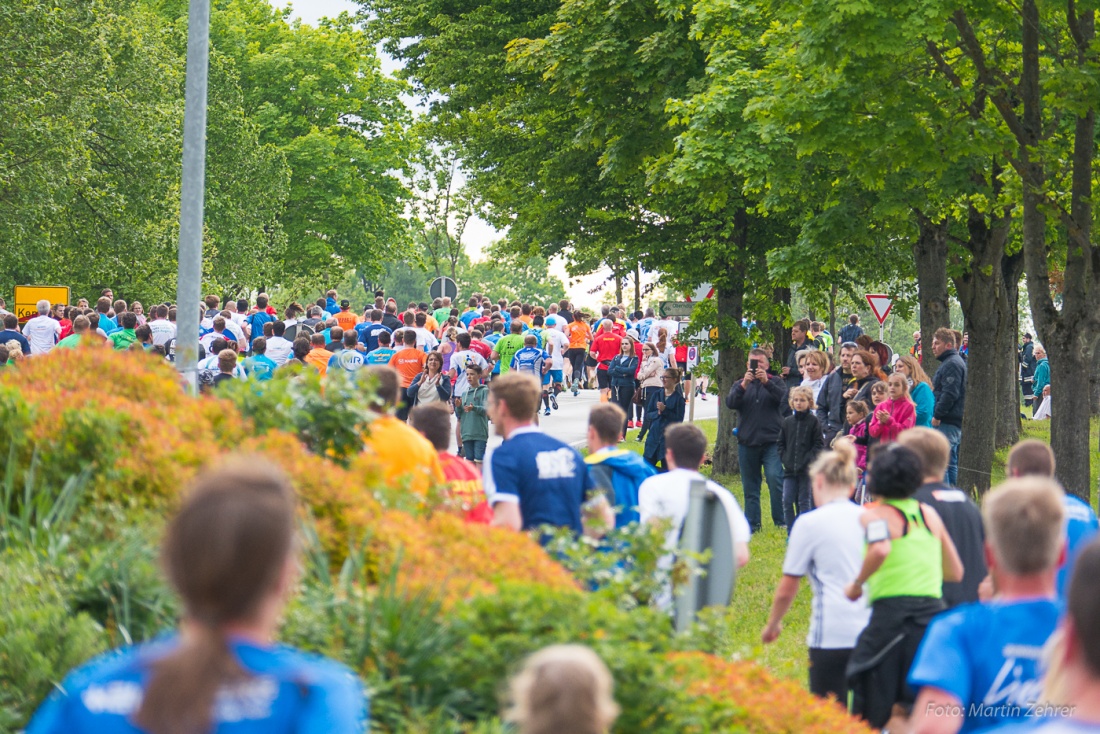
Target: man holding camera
{"points": [[760, 399]]}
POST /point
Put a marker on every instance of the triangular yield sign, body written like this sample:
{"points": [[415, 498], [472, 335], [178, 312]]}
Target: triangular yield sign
{"points": [[881, 305]]}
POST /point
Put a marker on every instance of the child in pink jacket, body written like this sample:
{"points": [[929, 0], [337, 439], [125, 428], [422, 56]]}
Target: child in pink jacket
{"points": [[896, 414]]}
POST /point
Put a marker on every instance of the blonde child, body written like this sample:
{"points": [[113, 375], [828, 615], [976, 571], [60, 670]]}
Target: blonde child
{"points": [[895, 414], [800, 441], [563, 688]]}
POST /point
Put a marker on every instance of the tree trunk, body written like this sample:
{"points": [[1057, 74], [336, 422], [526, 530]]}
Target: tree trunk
{"points": [[930, 256], [637, 286], [985, 307], [832, 318], [777, 329], [729, 292], [1008, 384]]}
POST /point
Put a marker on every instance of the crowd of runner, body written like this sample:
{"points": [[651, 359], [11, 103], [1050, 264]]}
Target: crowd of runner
{"points": [[928, 613]]}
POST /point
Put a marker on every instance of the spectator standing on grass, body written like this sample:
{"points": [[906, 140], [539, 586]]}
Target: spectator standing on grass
{"points": [[230, 554], [895, 414], [1035, 458], [979, 665], [563, 689], [827, 545], [618, 472], [1026, 354], [830, 399], [532, 479], [799, 343], [665, 408], [920, 388], [621, 372], [760, 400], [1040, 382], [909, 556], [799, 443], [949, 389]]}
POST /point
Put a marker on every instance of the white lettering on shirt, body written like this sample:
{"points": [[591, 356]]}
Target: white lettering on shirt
{"points": [[556, 464]]}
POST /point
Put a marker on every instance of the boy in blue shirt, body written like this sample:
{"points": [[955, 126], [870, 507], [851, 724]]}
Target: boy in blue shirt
{"points": [[259, 365], [978, 665]]}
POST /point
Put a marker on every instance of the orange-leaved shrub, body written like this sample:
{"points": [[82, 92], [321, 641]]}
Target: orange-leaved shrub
{"points": [[126, 415], [760, 702]]}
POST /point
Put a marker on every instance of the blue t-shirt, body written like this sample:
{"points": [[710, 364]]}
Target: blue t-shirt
{"points": [[1081, 526], [259, 366], [469, 316], [368, 334], [256, 323], [348, 360], [107, 323], [988, 657], [380, 356], [290, 692], [548, 478], [530, 360]]}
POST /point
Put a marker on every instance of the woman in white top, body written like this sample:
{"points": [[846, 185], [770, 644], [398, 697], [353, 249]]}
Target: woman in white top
{"points": [[665, 349], [431, 385], [649, 379], [827, 545], [814, 366]]}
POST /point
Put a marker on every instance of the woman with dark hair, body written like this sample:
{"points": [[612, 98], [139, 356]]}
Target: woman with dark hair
{"points": [[431, 385], [865, 373], [621, 372], [664, 408], [909, 556], [230, 553]]}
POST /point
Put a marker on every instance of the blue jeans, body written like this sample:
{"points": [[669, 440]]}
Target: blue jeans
{"points": [[754, 460], [796, 499], [473, 450], [953, 434]]}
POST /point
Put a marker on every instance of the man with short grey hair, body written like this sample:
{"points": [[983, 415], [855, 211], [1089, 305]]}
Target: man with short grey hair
{"points": [[42, 331]]}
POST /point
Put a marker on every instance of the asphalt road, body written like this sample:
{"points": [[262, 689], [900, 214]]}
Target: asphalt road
{"points": [[570, 422]]}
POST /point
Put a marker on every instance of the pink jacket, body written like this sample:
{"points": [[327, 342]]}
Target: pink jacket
{"points": [[859, 430], [903, 415]]}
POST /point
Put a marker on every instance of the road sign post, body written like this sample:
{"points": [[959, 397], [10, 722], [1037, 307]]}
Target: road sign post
{"points": [[675, 309], [443, 287], [880, 306]]}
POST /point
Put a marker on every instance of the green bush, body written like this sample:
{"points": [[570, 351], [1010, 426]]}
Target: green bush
{"points": [[329, 416], [41, 635]]}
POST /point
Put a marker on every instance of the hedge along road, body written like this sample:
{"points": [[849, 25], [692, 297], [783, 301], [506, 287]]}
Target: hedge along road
{"points": [[570, 422]]}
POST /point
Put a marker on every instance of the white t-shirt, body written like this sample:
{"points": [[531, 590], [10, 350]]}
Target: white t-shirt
{"points": [[668, 495], [556, 322], [425, 339], [459, 360], [826, 545], [163, 331], [235, 329], [279, 350], [42, 332], [561, 344]]}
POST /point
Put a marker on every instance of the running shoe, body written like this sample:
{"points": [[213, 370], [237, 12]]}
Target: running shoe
{"points": [[546, 412], [554, 401]]}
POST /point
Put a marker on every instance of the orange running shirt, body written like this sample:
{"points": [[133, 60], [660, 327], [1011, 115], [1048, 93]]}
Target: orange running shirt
{"points": [[403, 454], [579, 333], [409, 363], [346, 320], [318, 359]]}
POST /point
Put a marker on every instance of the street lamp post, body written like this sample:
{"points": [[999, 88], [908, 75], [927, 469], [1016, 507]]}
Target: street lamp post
{"points": [[189, 283]]}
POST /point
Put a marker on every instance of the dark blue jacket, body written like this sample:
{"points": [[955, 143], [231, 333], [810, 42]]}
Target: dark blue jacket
{"points": [[761, 407], [949, 387]]}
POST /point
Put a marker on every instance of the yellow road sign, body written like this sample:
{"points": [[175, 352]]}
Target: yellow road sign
{"points": [[28, 296]]}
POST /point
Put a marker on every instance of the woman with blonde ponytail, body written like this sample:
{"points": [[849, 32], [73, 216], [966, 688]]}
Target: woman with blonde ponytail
{"points": [[230, 555], [827, 545]]}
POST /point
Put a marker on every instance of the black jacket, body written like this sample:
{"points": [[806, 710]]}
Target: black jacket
{"points": [[794, 377], [761, 407], [831, 402], [949, 387], [799, 442]]}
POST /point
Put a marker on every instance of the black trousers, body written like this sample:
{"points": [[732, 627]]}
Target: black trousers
{"points": [[624, 397], [827, 672]]}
